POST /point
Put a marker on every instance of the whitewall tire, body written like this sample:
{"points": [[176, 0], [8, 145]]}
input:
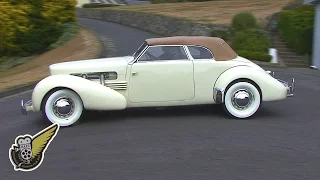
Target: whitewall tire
{"points": [[242, 100], [63, 107]]}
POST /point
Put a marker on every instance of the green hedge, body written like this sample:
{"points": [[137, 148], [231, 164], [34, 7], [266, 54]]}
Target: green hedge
{"points": [[252, 44], [243, 21], [254, 40], [30, 26], [221, 34], [38, 37], [258, 56], [296, 28]]}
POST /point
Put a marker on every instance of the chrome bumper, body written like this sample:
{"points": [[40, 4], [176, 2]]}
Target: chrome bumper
{"points": [[290, 86], [25, 107]]}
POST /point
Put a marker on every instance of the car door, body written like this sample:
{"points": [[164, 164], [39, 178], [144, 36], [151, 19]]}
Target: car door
{"points": [[162, 73]]}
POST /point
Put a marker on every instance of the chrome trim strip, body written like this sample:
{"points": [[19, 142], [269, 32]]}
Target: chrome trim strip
{"points": [[139, 55], [290, 87], [102, 80], [117, 85], [203, 48], [142, 52], [102, 76]]}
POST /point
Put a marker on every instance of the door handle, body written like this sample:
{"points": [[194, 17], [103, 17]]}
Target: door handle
{"points": [[134, 73]]}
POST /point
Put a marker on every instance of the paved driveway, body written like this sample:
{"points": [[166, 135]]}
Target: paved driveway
{"points": [[198, 142]]}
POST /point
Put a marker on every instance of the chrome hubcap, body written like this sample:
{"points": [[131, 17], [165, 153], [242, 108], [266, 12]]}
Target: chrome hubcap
{"points": [[242, 99], [63, 107]]}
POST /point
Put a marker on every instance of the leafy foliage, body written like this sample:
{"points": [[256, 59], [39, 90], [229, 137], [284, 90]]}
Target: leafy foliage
{"points": [[221, 34], [254, 40], [296, 27], [244, 20], [259, 56], [12, 18], [69, 30], [252, 44], [30, 26]]}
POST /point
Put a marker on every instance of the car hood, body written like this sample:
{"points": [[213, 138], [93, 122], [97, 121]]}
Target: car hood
{"points": [[117, 64]]}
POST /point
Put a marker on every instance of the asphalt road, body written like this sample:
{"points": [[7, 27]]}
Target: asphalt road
{"points": [[280, 142]]}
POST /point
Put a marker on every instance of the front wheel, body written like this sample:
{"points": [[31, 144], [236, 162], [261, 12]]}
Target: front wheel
{"points": [[242, 100], [63, 107]]}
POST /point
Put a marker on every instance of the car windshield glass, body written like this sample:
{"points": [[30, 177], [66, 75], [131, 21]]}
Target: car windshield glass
{"points": [[140, 49]]}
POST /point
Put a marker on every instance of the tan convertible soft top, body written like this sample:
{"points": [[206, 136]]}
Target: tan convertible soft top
{"points": [[220, 49]]}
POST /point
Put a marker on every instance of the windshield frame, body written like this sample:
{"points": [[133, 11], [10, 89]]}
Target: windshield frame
{"points": [[142, 47]]}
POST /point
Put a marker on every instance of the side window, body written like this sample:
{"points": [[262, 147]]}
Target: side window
{"points": [[155, 53], [199, 52]]}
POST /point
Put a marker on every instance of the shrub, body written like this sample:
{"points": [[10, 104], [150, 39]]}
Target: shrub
{"points": [[59, 11], [258, 56], [296, 28], [244, 20], [12, 18], [30, 26], [69, 30], [221, 34], [254, 40]]}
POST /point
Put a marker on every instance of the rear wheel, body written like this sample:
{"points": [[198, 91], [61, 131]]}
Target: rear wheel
{"points": [[242, 100], [63, 107]]}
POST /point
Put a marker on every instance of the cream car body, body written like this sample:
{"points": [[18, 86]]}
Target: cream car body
{"points": [[124, 82]]}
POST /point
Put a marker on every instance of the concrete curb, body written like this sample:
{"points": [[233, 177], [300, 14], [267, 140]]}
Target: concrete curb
{"points": [[18, 89]]}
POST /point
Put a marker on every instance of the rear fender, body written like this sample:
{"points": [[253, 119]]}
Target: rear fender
{"points": [[270, 88], [93, 95]]}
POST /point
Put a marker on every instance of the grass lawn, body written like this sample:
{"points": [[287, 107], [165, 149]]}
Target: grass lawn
{"points": [[219, 12]]}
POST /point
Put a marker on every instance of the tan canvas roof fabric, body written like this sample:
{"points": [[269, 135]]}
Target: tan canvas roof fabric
{"points": [[220, 49]]}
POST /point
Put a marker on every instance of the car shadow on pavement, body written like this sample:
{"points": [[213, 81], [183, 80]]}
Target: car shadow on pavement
{"points": [[215, 111], [154, 112]]}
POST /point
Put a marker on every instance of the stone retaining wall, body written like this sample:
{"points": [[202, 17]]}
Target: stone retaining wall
{"points": [[157, 24]]}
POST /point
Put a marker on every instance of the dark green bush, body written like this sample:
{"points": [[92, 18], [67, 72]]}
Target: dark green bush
{"points": [[38, 37], [32, 25], [69, 31], [258, 56], [296, 28], [244, 20], [254, 40], [221, 34]]}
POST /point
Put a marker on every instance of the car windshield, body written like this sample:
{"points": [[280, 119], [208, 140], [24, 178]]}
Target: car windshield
{"points": [[140, 49]]}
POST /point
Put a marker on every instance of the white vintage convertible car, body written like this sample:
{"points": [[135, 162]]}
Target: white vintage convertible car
{"points": [[169, 71]]}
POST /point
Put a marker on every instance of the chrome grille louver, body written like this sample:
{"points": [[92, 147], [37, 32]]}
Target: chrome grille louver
{"points": [[121, 85]]}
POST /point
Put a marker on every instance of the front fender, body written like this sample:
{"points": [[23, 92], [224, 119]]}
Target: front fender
{"points": [[271, 89], [93, 95]]}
